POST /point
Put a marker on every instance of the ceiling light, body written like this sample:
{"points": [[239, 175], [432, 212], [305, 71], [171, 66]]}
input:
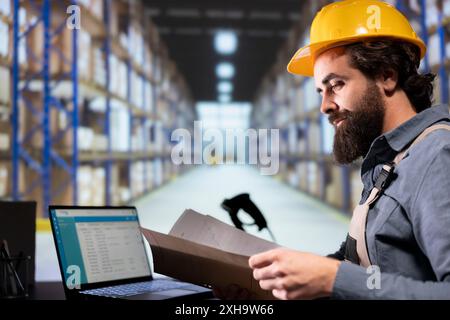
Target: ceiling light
{"points": [[225, 70], [225, 42], [225, 87]]}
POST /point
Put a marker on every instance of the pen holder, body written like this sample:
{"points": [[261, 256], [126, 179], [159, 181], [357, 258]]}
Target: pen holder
{"points": [[13, 286]]}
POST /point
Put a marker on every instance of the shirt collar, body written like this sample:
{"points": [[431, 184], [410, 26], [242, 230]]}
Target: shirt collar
{"points": [[386, 146], [401, 136]]}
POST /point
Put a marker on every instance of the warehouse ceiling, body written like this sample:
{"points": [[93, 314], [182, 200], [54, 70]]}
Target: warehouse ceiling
{"points": [[188, 28]]}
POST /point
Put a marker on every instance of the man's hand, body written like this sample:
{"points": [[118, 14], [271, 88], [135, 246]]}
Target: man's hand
{"points": [[294, 275]]}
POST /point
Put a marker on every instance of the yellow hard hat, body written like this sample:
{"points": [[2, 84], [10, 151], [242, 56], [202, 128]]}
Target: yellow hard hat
{"points": [[350, 21]]}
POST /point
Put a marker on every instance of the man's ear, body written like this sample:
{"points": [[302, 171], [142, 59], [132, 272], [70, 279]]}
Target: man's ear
{"points": [[388, 81]]}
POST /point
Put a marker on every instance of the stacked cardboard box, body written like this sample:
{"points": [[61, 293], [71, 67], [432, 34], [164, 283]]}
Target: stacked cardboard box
{"points": [[296, 103], [4, 179], [302, 173], [158, 172], [136, 87], [314, 179], [137, 178], [5, 87], [312, 98], [118, 82], [149, 102], [5, 129], [120, 121], [334, 192], [91, 186], [95, 7], [5, 44], [292, 177], [314, 138], [327, 131], [136, 44], [150, 174], [98, 65]]}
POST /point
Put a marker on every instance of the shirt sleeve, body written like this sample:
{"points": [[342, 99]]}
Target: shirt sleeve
{"points": [[355, 282], [430, 214]]}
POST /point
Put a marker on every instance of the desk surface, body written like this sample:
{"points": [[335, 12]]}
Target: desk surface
{"points": [[47, 291]]}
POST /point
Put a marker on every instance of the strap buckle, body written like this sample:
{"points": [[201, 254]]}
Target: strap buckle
{"points": [[385, 177]]}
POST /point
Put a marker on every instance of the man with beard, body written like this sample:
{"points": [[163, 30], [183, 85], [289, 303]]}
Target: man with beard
{"points": [[364, 57]]}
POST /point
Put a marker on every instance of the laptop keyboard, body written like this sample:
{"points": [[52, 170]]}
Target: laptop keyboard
{"points": [[135, 288]]}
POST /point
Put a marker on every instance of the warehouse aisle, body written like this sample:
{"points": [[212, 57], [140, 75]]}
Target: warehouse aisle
{"points": [[297, 220]]}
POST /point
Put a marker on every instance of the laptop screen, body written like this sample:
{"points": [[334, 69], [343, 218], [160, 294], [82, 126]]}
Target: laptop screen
{"points": [[102, 244]]}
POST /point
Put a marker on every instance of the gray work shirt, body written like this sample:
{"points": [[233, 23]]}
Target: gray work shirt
{"points": [[408, 228]]}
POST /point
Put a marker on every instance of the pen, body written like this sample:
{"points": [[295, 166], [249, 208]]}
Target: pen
{"points": [[12, 272]]}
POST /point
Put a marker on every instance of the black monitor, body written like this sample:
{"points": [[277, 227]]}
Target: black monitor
{"points": [[18, 228]]}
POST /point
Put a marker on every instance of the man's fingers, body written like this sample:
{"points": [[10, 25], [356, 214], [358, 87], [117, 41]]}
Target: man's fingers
{"points": [[271, 284], [281, 283], [280, 294], [284, 294], [269, 272], [263, 259]]}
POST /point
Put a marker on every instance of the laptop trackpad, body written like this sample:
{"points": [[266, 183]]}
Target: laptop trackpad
{"points": [[167, 294]]}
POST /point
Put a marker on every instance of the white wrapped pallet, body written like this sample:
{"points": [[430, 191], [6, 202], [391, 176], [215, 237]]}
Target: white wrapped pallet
{"points": [[5, 43], [312, 98], [5, 87], [6, 8]]}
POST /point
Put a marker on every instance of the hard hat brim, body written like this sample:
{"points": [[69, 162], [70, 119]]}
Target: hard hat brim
{"points": [[302, 63]]}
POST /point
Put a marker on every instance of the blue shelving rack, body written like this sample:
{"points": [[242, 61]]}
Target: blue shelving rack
{"points": [[107, 120], [42, 161], [443, 74], [424, 34]]}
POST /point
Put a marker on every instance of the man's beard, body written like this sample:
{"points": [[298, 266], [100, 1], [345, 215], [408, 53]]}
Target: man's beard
{"points": [[361, 127]]}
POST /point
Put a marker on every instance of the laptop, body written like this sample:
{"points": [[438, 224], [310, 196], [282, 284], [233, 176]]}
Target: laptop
{"points": [[101, 254]]}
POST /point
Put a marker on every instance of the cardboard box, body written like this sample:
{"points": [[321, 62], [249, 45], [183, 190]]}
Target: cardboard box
{"points": [[137, 179], [84, 59], [314, 179], [314, 138], [97, 187], [35, 42], [4, 179], [115, 185], [28, 120], [100, 142], [302, 172], [5, 143], [334, 191]]}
